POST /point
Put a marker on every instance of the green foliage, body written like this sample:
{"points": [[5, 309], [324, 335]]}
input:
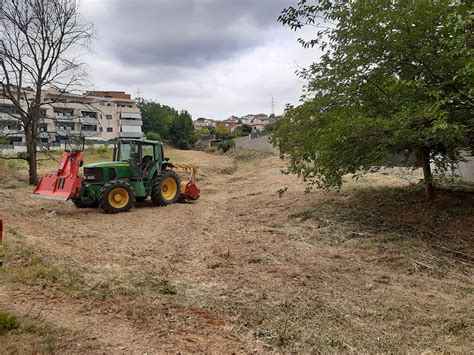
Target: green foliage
{"points": [[395, 78], [181, 131], [165, 122], [243, 130], [8, 322], [202, 132], [17, 164], [156, 117], [225, 145], [103, 150], [152, 135], [222, 131], [269, 128]]}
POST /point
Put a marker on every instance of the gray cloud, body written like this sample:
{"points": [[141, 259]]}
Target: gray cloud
{"points": [[214, 58], [185, 32]]}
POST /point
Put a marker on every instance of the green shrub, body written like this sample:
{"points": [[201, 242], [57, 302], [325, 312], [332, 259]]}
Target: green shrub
{"points": [[183, 144], [153, 136], [210, 149], [16, 164], [225, 145], [8, 322]]}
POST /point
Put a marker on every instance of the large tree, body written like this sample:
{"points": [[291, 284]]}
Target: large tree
{"points": [[182, 130], [40, 43], [395, 78], [156, 117], [170, 124]]}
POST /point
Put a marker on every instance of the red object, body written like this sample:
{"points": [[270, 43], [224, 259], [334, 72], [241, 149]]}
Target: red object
{"points": [[65, 182], [191, 192]]}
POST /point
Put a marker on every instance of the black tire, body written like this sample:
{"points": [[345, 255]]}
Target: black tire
{"points": [[111, 188], [85, 203], [140, 198], [158, 195]]}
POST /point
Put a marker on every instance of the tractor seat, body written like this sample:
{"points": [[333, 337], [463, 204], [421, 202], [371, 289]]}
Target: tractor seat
{"points": [[147, 162]]}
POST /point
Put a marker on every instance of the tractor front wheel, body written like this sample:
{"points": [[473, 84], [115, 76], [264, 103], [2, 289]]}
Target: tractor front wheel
{"points": [[165, 188], [116, 196], [80, 203]]}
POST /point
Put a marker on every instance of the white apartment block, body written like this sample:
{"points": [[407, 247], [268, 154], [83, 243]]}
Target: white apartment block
{"points": [[98, 115]]}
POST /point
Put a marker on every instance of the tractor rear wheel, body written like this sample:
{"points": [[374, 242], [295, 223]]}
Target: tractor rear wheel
{"points": [[116, 196], [79, 203], [165, 188]]}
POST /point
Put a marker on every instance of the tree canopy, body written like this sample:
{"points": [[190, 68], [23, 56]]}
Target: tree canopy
{"points": [[395, 78], [168, 123]]}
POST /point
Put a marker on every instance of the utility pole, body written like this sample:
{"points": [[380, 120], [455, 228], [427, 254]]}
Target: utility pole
{"points": [[273, 106], [138, 94]]}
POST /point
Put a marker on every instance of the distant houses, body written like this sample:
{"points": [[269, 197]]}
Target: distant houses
{"points": [[256, 121], [202, 123]]}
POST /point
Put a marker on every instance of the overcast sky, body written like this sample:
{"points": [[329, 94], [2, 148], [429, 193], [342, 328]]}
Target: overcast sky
{"points": [[214, 58]]}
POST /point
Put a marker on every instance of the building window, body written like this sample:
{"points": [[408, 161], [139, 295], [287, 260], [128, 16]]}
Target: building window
{"points": [[109, 117], [89, 127], [89, 114], [109, 129]]}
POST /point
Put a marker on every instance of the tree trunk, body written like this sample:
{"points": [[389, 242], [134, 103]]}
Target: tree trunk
{"points": [[30, 136], [427, 176]]}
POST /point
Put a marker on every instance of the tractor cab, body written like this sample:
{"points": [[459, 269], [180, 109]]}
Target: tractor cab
{"points": [[142, 155]]}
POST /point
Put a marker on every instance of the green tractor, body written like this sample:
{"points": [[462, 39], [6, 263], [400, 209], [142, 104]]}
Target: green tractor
{"points": [[139, 170]]}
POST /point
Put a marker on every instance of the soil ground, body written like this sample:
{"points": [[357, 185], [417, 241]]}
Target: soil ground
{"points": [[371, 268]]}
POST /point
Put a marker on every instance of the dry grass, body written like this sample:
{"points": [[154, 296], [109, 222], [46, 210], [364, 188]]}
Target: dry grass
{"points": [[247, 155], [373, 268]]}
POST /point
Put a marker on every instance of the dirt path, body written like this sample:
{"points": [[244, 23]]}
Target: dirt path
{"points": [[174, 242], [247, 276]]}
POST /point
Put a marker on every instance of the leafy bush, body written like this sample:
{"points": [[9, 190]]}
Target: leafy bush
{"points": [[16, 165], [8, 322], [225, 145], [103, 150], [153, 136], [183, 144], [211, 149]]}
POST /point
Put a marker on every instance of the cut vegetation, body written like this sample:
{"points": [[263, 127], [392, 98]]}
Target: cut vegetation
{"points": [[372, 268]]}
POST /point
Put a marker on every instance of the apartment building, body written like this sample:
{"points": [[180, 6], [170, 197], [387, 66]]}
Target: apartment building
{"points": [[98, 115]]}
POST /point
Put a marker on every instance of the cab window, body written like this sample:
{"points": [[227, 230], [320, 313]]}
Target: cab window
{"points": [[128, 151], [147, 150]]}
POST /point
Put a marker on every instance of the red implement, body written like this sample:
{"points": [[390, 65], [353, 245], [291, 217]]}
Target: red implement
{"points": [[65, 182], [188, 188], [191, 191]]}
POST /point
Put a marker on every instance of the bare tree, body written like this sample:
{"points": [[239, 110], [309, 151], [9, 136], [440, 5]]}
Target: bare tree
{"points": [[40, 42]]}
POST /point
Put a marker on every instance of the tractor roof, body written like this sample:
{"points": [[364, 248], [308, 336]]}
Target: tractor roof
{"points": [[140, 140]]}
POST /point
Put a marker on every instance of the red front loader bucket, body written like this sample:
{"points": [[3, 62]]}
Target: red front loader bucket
{"points": [[65, 182]]}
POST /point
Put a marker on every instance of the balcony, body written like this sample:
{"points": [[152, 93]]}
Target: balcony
{"points": [[12, 132], [7, 117], [125, 122], [65, 118], [67, 132], [130, 134], [131, 115], [91, 133], [89, 120]]}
